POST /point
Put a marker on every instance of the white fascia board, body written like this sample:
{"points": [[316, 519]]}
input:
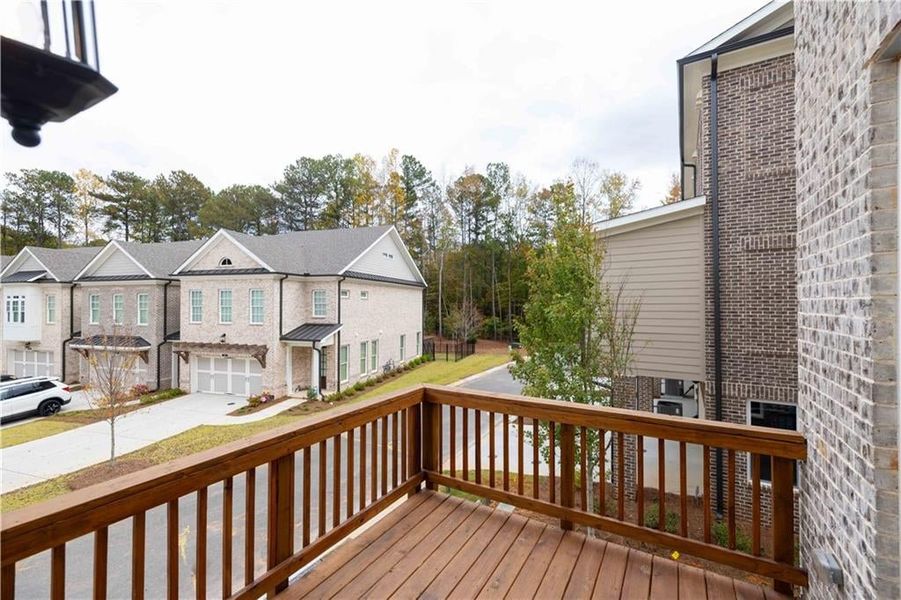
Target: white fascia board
{"points": [[651, 216], [15, 260], [203, 248], [38, 260], [758, 15]]}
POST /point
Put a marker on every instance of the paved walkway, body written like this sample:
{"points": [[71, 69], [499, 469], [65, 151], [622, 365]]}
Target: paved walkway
{"points": [[49, 457]]}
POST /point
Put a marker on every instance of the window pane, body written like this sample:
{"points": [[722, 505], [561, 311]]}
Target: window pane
{"points": [[196, 306], [364, 352], [374, 355], [780, 416], [256, 306], [342, 363], [118, 308], [225, 306], [319, 305]]}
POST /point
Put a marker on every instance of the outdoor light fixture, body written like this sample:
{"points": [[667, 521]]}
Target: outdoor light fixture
{"points": [[50, 65], [222, 339]]}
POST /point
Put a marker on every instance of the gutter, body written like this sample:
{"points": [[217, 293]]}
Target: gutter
{"points": [[71, 331], [715, 268], [159, 347]]}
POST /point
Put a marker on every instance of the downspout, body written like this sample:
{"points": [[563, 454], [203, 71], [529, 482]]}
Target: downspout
{"points": [[62, 371], [281, 314], [715, 268], [338, 353], [694, 169], [159, 347]]}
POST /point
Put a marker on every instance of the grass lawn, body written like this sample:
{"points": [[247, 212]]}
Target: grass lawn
{"points": [[438, 372], [19, 434], [209, 436]]}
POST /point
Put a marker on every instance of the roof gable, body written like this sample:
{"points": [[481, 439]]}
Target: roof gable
{"points": [[60, 264], [387, 257], [113, 261], [222, 245]]}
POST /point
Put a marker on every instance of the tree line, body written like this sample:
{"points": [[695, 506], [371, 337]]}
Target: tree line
{"points": [[471, 235]]}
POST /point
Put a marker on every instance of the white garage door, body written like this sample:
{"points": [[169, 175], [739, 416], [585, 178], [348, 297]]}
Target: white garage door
{"points": [[238, 376], [29, 363], [137, 375]]}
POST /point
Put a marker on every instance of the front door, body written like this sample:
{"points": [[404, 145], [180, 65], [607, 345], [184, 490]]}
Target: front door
{"points": [[323, 369]]}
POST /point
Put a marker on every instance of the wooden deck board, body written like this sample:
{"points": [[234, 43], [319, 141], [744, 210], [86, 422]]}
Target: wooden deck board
{"points": [[434, 547]]}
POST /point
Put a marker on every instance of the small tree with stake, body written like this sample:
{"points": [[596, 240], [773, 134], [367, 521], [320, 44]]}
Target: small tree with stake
{"points": [[112, 374], [577, 330]]}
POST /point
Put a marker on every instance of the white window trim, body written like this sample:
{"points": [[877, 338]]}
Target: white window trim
{"points": [[346, 348], [764, 483], [374, 350], [403, 347], [325, 296], [250, 306], [47, 309], [138, 309], [122, 320], [191, 305], [91, 318], [345, 294], [20, 311], [364, 295], [231, 307], [418, 343], [364, 352]]}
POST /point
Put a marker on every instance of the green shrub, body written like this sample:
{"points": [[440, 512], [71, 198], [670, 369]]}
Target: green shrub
{"points": [[161, 395], [312, 394], [651, 518], [721, 537], [254, 401], [359, 386]]}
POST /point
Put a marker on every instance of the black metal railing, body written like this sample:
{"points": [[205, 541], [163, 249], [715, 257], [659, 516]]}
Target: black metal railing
{"points": [[443, 350]]}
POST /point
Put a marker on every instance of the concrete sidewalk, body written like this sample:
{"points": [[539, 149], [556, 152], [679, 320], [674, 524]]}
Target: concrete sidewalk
{"points": [[49, 457]]}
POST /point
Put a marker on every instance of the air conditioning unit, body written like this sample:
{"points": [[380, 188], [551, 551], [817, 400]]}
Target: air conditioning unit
{"points": [[678, 398]]}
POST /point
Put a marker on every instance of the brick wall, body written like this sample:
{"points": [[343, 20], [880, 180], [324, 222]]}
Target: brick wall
{"points": [[757, 246], [847, 276]]}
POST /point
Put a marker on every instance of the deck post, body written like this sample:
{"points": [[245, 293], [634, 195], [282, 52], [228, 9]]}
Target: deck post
{"points": [[414, 442], [567, 470], [431, 437], [783, 517], [280, 514]]}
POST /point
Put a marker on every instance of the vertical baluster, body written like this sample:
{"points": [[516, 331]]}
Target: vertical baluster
{"points": [[783, 517], [362, 466], [280, 512], [567, 470], [384, 461], [602, 472], [755, 504], [520, 463], [661, 484], [200, 547], [552, 445], [683, 490], [414, 442], [336, 480], [453, 440], [321, 509], [395, 445], [477, 444], [307, 496], [730, 497], [465, 447], [250, 502], [404, 470], [585, 479], [439, 417], [172, 550], [639, 478], [138, 533], [491, 450], [350, 474], [505, 436], [374, 462], [621, 474], [101, 546], [706, 507], [58, 572], [8, 582], [228, 493], [536, 490]]}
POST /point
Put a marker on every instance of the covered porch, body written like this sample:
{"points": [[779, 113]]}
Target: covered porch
{"points": [[309, 354]]}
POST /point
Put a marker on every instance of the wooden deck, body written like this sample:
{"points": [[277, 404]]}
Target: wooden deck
{"points": [[439, 546]]}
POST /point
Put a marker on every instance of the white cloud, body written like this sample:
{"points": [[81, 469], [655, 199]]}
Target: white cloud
{"points": [[235, 91]]}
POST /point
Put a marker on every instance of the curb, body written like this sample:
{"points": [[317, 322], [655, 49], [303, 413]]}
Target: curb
{"points": [[481, 374]]}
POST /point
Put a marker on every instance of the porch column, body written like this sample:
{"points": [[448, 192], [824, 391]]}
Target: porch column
{"points": [[314, 366], [289, 378]]}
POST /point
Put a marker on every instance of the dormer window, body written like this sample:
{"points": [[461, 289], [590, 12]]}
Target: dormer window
{"points": [[225, 262]]}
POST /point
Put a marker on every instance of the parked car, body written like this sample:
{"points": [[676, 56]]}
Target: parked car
{"points": [[42, 395]]}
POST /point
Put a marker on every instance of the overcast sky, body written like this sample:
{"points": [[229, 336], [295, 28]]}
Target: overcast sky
{"points": [[234, 91]]}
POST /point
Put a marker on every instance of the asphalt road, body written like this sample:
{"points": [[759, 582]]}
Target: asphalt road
{"points": [[33, 575]]}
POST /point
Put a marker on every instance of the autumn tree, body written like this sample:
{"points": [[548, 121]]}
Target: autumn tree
{"points": [[674, 192], [618, 192], [87, 208]]}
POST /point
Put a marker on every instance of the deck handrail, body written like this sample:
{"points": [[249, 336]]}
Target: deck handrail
{"points": [[408, 427]]}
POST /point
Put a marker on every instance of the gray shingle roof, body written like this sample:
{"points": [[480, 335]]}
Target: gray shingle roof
{"points": [[163, 257], [65, 263], [23, 276], [317, 252], [311, 332], [110, 341]]}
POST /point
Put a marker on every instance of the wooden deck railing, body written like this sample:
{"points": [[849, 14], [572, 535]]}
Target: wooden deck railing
{"points": [[381, 450]]}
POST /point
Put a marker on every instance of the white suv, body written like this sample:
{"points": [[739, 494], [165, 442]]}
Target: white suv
{"points": [[41, 395]]}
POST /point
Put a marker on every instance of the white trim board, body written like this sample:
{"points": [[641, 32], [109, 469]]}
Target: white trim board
{"points": [[652, 216]]}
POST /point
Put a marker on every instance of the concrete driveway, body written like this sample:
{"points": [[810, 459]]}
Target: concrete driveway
{"points": [[70, 451]]}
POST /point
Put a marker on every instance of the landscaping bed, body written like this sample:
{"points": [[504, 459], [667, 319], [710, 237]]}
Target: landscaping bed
{"points": [[256, 404]]}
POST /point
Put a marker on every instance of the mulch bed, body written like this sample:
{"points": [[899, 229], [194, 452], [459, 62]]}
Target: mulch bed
{"points": [[104, 472], [249, 410]]}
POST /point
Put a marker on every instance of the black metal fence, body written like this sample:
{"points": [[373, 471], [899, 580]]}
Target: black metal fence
{"points": [[438, 350]]}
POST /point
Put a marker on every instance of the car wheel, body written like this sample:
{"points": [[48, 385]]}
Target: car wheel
{"points": [[49, 407]]}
